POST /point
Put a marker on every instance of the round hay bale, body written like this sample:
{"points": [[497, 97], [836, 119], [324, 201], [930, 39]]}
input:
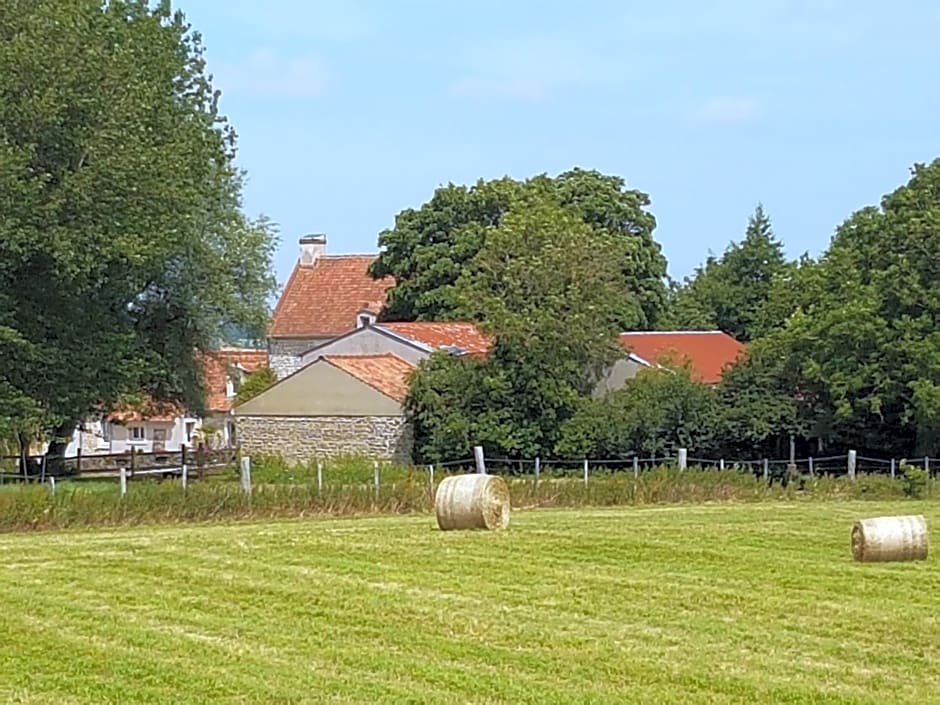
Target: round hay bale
{"points": [[900, 538], [472, 502]]}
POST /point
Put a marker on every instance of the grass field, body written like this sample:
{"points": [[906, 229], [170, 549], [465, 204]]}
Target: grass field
{"points": [[693, 604]]}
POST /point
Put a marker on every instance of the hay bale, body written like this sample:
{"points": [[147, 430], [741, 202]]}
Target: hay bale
{"points": [[472, 502], [898, 538]]}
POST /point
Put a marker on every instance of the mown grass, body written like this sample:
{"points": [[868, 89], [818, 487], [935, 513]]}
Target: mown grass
{"points": [[705, 604], [402, 491]]}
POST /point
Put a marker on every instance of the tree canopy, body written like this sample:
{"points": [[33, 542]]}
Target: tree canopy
{"points": [[123, 247], [429, 248], [729, 293]]}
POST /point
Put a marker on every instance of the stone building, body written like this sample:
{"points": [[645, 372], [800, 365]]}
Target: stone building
{"points": [[337, 405], [325, 297]]}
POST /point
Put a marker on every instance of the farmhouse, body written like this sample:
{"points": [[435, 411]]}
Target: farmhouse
{"points": [[325, 297], [336, 405]]}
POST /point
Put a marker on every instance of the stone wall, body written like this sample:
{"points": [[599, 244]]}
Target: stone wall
{"points": [[304, 438], [284, 353]]}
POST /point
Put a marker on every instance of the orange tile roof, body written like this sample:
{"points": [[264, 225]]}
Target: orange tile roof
{"points": [[443, 334], [386, 373], [322, 299], [708, 352], [216, 365], [149, 410]]}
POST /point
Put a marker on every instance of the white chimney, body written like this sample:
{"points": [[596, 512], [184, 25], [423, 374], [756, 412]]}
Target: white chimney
{"points": [[312, 248]]}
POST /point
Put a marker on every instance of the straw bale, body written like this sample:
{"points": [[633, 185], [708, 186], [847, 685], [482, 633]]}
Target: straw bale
{"points": [[474, 501], [890, 538]]}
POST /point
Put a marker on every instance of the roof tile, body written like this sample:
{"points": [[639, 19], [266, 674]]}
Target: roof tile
{"points": [[217, 364], [386, 373], [322, 299], [708, 352], [464, 335]]}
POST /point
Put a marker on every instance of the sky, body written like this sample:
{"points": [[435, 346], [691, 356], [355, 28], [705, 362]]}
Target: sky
{"points": [[349, 112]]}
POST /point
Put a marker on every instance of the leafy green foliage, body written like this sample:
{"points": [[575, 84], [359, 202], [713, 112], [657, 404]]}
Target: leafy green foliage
{"points": [[729, 293], [255, 383], [549, 290], [429, 248], [654, 414], [123, 249]]}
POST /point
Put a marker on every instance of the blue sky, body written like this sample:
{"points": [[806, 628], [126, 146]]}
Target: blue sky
{"points": [[349, 112]]}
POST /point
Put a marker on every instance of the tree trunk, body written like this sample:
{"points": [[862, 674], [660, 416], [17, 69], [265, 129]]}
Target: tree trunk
{"points": [[55, 453], [23, 443]]}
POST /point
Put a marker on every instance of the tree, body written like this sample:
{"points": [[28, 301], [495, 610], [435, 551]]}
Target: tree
{"points": [[429, 248], [654, 414], [550, 292], [861, 354], [728, 293], [255, 383], [123, 248]]}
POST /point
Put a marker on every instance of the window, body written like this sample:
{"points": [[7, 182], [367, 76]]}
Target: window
{"points": [[136, 433]]}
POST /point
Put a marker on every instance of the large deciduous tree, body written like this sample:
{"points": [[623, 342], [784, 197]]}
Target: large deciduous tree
{"points": [[123, 248], [549, 289], [429, 248]]}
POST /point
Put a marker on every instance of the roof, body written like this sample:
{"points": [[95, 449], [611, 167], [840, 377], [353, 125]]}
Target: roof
{"points": [[708, 352], [386, 373], [148, 410], [217, 365], [322, 299], [460, 334]]}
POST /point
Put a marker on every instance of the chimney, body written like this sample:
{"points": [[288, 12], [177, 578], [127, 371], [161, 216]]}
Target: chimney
{"points": [[312, 248]]}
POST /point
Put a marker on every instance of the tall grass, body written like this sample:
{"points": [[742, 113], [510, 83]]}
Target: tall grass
{"points": [[348, 489]]}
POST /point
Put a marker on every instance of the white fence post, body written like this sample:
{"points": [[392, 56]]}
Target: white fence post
{"points": [[538, 468], [320, 477], [184, 475], [585, 472], [431, 476], [853, 459], [636, 467], [52, 485], [721, 463], [811, 473], [375, 474], [927, 464], [766, 469], [123, 480], [246, 475], [893, 471], [478, 456], [683, 458]]}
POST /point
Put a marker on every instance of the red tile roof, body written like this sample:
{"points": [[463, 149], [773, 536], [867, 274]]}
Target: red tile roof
{"points": [[148, 410], [443, 334], [321, 300], [386, 373], [707, 351], [217, 364]]}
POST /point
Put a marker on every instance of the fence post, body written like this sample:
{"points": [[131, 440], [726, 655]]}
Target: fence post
{"points": [[853, 459], [636, 466], [246, 474], [123, 480], [811, 473], [927, 465], [766, 469], [78, 460], [133, 461], [585, 472], [184, 475], [683, 458], [431, 476], [319, 477], [538, 468], [478, 456], [375, 474], [893, 471], [52, 485], [721, 463]]}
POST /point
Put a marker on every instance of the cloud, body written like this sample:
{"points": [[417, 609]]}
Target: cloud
{"points": [[729, 111], [268, 74], [528, 70]]}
